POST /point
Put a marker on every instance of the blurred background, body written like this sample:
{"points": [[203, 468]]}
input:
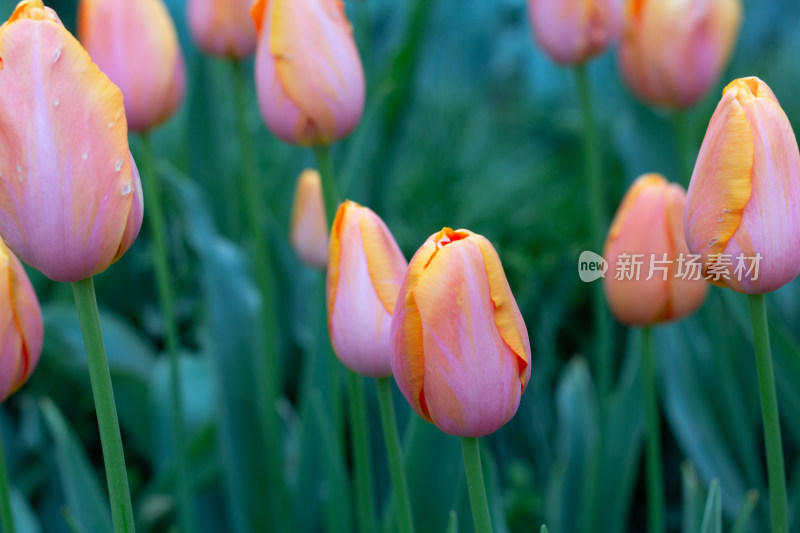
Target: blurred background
{"points": [[467, 124]]}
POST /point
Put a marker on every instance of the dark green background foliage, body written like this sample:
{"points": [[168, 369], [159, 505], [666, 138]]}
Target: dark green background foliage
{"points": [[468, 125]]}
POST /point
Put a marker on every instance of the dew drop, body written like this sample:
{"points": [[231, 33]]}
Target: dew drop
{"points": [[105, 197], [19, 169], [84, 156], [110, 125], [712, 242], [118, 165], [126, 189], [56, 55], [56, 102]]}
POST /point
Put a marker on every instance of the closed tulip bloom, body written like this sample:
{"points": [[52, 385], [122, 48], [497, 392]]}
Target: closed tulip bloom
{"points": [[309, 226], [222, 27], [364, 273], [136, 45], [70, 202], [308, 72], [649, 224], [745, 190], [460, 349], [673, 51], [20, 325], [571, 31]]}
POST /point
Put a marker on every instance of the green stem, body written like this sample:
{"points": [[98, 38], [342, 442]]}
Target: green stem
{"points": [[362, 456], [769, 411], [682, 140], [100, 376], [598, 222], [6, 514], [267, 366], [477, 490], [325, 167], [395, 456], [655, 474], [155, 219]]}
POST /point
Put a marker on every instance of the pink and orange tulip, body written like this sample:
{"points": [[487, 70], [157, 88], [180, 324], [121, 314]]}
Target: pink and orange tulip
{"points": [[745, 190], [308, 232], [310, 90], [673, 51], [364, 273], [572, 31], [222, 27], [136, 45], [70, 195], [460, 349], [20, 325], [650, 222]]}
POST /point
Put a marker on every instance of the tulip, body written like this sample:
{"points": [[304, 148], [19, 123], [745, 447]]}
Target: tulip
{"points": [[70, 202], [365, 268], [20, 325], [460, 349], [309, 226], [649, 224], [572, 31], [744, 193], [222, 27], [672, 51], [310, 90], [136, 45]]}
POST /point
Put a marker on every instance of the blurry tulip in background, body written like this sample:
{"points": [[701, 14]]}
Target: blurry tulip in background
{"points": [[460, 349], [222, 28], [650, 222], [744, 194], [364, 273], [70, 195], [673, 51], [572, 31], [136, 45], [309, 226], [311, 91], [21, 328]]}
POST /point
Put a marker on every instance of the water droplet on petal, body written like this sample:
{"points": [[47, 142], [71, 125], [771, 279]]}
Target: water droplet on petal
{"points": [[56, 102], [56, 54], [118, 165], [84, 155], [19, 169], [126, 189], [110, 125]]}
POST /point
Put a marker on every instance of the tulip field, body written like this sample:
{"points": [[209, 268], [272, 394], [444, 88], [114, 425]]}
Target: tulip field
{"points": [[300, 266]]}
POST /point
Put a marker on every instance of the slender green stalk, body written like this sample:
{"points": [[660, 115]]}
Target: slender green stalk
{"points": [[776, 472], [267, 365], [395, 455], [655, 474], [362, 455], [6, 514], [326, 175], [100, 376], [470, 447], [682, 140], [598, 222], [155, 219]]}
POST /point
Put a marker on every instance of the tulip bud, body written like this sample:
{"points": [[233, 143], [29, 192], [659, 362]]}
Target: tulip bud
{"points": [[364, 273], [309, 226], [136, 45], [571, 31], [70, 202], [222, 27], [20, 325], [311, 90], [672, 51], [460, 349], [647, 236], [744, 194]]}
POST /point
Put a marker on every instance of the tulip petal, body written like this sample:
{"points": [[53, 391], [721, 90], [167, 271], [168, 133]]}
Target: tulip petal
{"points": [[63, 153], [386, 262]]}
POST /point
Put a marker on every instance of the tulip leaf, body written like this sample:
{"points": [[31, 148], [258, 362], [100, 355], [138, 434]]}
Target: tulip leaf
{"points": [[693, 499], [25, 518], [748, 506], [84, 497], [452, 523]]}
